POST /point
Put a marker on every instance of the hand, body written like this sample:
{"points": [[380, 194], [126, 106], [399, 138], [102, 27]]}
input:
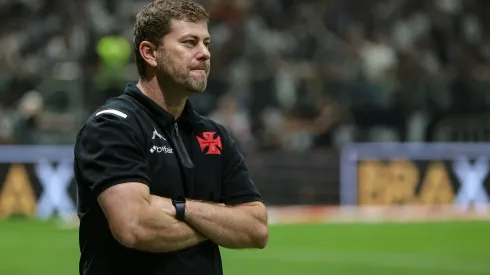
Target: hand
{"points": [[165, 204], [169, 208]]}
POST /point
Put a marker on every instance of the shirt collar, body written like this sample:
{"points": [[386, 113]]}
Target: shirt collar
{"points": [[188, 117]]}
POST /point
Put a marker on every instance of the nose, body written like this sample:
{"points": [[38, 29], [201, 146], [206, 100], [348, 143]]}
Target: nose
{"points": [[204, 53]]}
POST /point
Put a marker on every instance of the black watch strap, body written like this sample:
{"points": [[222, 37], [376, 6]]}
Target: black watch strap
{"points": [[179, 208]]}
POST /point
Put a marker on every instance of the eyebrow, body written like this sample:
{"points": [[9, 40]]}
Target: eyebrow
{"points": [[208, 38]]}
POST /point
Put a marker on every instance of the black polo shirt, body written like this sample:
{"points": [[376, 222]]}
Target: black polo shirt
{"points": [[132, 139]]}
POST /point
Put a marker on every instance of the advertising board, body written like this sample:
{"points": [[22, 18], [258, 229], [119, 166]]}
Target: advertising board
{"points": [[37, 181], [416, 174]]}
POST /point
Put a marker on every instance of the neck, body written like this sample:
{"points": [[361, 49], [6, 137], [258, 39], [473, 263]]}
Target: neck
{"points": [[167, 97]]}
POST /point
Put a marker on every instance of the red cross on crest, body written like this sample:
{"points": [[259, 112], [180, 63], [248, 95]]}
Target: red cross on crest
{"points": [[209, 141]]}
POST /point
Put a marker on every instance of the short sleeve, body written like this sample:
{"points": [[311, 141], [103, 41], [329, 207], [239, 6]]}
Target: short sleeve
{"points": [[238, 187], [109, 151]]}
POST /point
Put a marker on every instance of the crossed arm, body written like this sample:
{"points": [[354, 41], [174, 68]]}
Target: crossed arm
{"points": [[241, 226], [145, 222]]}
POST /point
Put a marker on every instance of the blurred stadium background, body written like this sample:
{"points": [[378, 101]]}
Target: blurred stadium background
{"points": [[365, 124]]}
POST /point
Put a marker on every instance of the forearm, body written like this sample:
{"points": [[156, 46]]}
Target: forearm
{"points": [[160, 232], [242, 226]]}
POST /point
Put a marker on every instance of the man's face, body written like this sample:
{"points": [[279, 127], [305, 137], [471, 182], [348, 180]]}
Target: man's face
{"points": [[184, 56]]}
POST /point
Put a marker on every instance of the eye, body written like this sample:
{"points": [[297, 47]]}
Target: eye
{"points": [[190, 42]]}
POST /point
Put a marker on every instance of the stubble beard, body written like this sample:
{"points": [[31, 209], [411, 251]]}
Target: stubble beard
{"points": [[181, 76]]}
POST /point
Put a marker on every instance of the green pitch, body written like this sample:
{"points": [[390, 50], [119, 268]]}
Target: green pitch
{"points": [[32, 248]]}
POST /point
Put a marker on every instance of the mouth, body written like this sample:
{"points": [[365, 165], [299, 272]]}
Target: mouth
{"points": [[199, 69], [198, 72]]}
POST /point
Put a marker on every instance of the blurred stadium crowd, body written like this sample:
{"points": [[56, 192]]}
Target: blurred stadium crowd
{"points": [[286, 74]]}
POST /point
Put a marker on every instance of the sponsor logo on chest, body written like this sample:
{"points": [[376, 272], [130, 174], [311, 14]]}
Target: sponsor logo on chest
{"points": [[159, 149]]}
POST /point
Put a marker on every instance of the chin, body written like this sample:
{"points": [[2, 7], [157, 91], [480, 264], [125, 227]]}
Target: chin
{"points": [[197, 88], [196, 91]]}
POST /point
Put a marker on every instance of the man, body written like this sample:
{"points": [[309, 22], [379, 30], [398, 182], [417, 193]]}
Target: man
{"points": [[160, 187]]}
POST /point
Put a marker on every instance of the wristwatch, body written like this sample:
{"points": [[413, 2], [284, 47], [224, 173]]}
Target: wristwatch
{"points": [[179, 203]]}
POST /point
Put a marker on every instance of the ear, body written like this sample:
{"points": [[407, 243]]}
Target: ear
{"points": [[148, 52]]}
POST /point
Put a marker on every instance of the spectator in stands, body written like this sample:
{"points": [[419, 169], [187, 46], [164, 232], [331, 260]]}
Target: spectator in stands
{"points": [[236, 121], [397, 58]]}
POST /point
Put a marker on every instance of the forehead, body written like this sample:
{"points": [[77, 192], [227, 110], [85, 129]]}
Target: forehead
{"points": [[182, 28]]}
